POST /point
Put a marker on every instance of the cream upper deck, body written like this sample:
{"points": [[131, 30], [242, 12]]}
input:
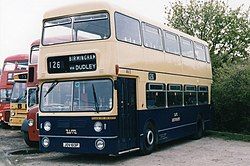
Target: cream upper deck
{"points": [[92, 6], [110, 52]]}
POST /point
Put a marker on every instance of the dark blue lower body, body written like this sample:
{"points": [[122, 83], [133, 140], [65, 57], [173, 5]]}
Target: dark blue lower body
{"points": [[169, 123]]}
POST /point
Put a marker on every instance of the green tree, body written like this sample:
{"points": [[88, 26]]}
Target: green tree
{"points": [[228, 33], [226, 30], [231, 93]]}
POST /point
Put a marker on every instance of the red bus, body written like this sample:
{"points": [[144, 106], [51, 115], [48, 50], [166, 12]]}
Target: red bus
{"points": [[12, 65], [29, 128]]}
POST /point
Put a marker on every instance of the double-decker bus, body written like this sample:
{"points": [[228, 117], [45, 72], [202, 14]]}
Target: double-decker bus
{"points": [[29, 127], [119, 82], [18, 105], [12, 64]]}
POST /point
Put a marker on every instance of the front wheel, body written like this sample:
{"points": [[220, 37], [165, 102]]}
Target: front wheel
{"points": [[32, 144], [149, 140], [5, 125]]}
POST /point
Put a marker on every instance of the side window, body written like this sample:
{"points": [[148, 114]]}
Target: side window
{"points": [[155, 95], [207, 54], [190, 95], [32, 97], [127, 29], [187, 48], [200, 52], [202, 95], [174, 95], [172, 43], [152, 36]]}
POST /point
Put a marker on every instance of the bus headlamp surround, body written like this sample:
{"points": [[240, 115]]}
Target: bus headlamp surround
{"points": [[47, 126], [98, 126], [100, 144], [12, 113], [30, 122], [45, 142]]}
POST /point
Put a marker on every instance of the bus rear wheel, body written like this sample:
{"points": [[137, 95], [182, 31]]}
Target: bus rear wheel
{"points": [[28, 142], [149, 139], [199, 129]]}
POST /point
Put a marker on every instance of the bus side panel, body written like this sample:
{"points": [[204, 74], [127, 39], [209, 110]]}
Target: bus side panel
{"points": [[174, 123]]}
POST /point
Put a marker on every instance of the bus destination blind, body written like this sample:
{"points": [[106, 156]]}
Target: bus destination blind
{"points": [[72, 63]]}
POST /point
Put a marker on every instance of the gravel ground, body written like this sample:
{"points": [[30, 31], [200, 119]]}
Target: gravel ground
{"points": [[206, 152]]}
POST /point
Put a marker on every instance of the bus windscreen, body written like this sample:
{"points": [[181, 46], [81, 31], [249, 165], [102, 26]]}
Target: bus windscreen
{"points": [[77, 96]]}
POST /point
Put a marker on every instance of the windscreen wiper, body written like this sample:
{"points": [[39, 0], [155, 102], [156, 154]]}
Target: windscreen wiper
{"points": [[95, 98], [52, 86]]}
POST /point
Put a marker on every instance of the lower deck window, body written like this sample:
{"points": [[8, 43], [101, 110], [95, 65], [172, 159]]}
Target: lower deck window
{"points": [[202, 95], [174, 95], [190, 95], [155, 96]]}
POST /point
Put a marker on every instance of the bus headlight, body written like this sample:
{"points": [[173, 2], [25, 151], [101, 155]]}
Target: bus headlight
{"points": [[12, 113], [100, 144], [45, 142], [98, 126], [30, 122], [47, 126]]}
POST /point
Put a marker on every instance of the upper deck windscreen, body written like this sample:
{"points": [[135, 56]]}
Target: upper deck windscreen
{"points": [[12, 66], [34, 55], [77, 28]]}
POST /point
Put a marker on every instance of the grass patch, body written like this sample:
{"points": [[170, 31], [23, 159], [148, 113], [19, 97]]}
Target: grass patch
{"points": [[229, 136]]}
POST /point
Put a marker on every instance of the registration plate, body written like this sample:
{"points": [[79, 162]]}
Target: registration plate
{"points": [[71, 145]]}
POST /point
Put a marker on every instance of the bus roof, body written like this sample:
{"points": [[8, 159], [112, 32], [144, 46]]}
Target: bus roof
{"points": [[17, 57], [35, 43], [91, 6]]}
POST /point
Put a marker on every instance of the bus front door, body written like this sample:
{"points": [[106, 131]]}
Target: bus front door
{"points": [[126, 89]]}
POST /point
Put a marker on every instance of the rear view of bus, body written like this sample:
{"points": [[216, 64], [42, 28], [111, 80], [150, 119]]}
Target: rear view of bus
{"points": [[12, 65], [18, 105]]}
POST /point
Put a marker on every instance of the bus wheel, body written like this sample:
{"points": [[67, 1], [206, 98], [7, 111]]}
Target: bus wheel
{"points": [[5, 125], [199, 129], [149, 139], [28, 142]]}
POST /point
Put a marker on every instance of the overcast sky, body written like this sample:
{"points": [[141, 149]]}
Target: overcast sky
{"points": [[21, 20]]}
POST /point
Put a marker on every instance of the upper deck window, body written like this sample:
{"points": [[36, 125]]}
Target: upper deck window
{"points": [[77, 28], [152, 36], [207, 54], [34, 55], [172, 44], [127, 29], [187, 48], [200, 52], [11, 66]]}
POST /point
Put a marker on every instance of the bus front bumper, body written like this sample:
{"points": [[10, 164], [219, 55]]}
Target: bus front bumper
{"points": [[79, 144]]}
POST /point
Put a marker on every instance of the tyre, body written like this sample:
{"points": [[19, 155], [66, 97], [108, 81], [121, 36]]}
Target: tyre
{"points": [[149, 139], [5, 125], [28, 142], [199, 129]]}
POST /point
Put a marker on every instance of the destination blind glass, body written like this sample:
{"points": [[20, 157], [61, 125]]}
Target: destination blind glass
{"points": [[72, 63]]}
